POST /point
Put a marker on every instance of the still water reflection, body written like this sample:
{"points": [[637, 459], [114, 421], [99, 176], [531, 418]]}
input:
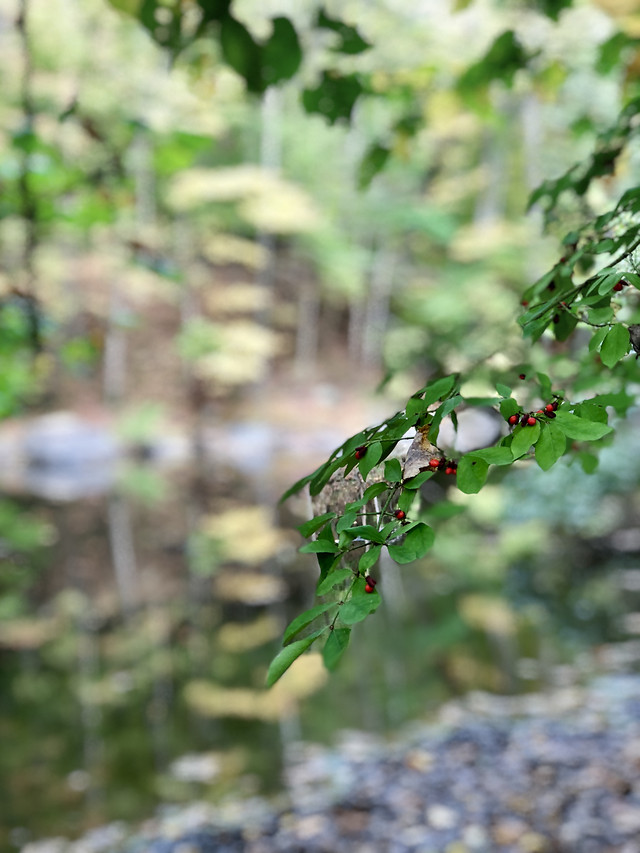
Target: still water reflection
{"points": [[143, 599]]}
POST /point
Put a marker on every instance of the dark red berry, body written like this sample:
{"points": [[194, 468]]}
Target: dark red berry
{"points": [[522, 376], [513, 419], [556, 318], [524, 420], [360, 451], [525, 303], [551, 414], [551, 285], [531, 421], [618, 287], [400, 514], [434, 463], [555, 405]]}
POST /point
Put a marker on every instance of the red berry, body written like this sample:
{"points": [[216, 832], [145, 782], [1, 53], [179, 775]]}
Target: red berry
{"points": [[548, 407], [360, 451], [525, 303], [531, 421], [556, 318], [522, 376], [513, 419], [523, 420], [400, 514], [450, 470], [434, 463], [442, 464], [539, 412], [369, 588], [555, 405], [551, 414], [619, 285]]}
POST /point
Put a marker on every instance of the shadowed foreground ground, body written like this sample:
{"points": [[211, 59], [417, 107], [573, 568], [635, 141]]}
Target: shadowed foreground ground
{"points": [[553, 773]]}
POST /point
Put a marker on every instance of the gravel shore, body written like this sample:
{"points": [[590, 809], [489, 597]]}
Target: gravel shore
{"points": [[550, 773]]}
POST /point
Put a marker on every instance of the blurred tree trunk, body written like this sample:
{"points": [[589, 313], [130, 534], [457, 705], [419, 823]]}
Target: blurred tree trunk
{"points": [[376, 312]]}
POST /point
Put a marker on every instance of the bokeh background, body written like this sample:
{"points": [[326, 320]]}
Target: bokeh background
{"points": [[202, 294]]}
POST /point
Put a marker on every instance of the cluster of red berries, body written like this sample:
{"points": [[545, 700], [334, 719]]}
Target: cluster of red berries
{"points": [[449, 466], [370, 585], [530, 418]]}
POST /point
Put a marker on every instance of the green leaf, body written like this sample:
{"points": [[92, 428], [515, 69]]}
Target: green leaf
{"points": [[296, 625], [588, 461], [369, 558], [373, 162], [502, 60], [351, 42], [365, 531], [346, 521], [359, 606], [472, 474], [620, 401], [545, 385], [406, 499], [441, 412], [334, 97], [281, 54], [523, 438], [552, 8], [596, 339], [416, 406], [370, 459], [503, 390], [310, 527], [320, 546], [417, 542], [296, 487], [375, 490], [563, 328], [415, 482], [438, 389], [323, 474], [591, 410], [283, 660], [393, 471], [493, 455], [334, 648], [242, 53], [550, 446], [509, 407], [214, 10], [579, 428], [331, 580], [615, 345]]}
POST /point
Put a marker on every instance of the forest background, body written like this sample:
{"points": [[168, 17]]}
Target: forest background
{"points": [[206, 278]]}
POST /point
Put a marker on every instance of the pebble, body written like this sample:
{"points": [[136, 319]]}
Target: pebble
{"points": [[491, 777]]}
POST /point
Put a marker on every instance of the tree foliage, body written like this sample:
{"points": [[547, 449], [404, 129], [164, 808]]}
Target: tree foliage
{"points": [[586, 303], [581, 313]]}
